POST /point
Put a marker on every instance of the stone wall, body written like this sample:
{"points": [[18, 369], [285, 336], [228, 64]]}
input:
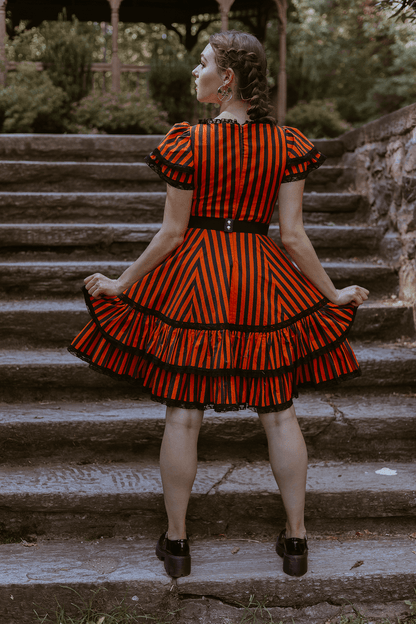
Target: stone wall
{"points": [[384, 155]]}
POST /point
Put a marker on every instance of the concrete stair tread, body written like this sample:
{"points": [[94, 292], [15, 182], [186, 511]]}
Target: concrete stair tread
{"points": [[78, 305], [130, 569], [365, 352], [66, 486], [88, 234]]}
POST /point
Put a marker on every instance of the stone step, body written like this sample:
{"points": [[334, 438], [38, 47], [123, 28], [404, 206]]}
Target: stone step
{"points": [[114, 176], [53, 323], [225, 574], [45, 373], [233, 497], [76, 176], [366, 426], [88, 147], [353, 240], [103, 147], [58, 278], [129, 207]]}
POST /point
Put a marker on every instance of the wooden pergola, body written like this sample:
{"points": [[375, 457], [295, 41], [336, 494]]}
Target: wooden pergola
{"points": [[167, 12]]}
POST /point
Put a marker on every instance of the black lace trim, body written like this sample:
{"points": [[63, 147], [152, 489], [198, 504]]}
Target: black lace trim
{"points": [[294, 177], [206, 372], [217, 407], [230, 326], [234, 122], [313, 153], [184, 186], [181, 168]]}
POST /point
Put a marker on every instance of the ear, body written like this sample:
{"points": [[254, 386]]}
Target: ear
{"points": [[228, 76]]}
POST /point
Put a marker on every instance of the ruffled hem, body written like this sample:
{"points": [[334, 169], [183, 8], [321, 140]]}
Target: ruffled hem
{"points": [[294, 177], [184, 186], [214, 345], [217, 407]]}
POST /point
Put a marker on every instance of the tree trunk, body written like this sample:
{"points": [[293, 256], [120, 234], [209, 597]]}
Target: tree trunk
{"points": [[3, 62]]}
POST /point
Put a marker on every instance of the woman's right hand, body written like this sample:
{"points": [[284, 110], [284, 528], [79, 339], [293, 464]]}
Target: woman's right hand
{"points": [[352, 294]]}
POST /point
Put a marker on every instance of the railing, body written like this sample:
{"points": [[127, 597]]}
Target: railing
{"points": [[96, 68]]}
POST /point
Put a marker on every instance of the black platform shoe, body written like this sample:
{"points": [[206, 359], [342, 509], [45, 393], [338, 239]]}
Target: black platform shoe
{"points": [[175, 554], [294, 552]]}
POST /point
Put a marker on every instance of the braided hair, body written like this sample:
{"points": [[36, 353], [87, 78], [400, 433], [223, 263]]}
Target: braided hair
{"points": [[245, 55]]}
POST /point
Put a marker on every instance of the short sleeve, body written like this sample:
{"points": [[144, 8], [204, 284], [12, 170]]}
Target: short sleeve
{"points": [[302, 156], [173, 159]]}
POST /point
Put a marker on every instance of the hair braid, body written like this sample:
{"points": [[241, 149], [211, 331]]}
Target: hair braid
{"points": [[244, 54]]}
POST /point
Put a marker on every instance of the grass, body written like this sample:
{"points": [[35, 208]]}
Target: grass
{"points": [[256, 612]]}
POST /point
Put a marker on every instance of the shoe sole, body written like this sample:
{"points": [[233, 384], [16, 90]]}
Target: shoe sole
{"points": [[293, 565], [175, 566]]}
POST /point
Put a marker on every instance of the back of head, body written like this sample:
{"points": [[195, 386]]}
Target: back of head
{"points": [[245, 55]]}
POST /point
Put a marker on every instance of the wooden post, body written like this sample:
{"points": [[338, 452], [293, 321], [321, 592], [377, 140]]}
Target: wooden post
{"points": [[282, 80], [115, 61], [225, 6], [3, 61]]}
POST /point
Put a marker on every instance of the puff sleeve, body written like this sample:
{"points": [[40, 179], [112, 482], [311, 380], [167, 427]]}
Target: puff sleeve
{"points": [[302, 156], [173, 158]]}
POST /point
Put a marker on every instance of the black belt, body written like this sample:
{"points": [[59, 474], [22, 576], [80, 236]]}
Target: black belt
{"points": [[228, 225]]}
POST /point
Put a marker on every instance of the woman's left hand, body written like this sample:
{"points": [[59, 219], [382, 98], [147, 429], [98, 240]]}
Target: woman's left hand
{"points": [[99, 285]]}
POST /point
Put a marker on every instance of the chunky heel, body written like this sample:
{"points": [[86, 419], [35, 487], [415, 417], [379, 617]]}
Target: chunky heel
{"points": [[177, 566], [294, 552], [175, 555]]}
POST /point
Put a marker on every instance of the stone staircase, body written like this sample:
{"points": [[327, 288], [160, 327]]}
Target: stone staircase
{"points": [[81, 500]]}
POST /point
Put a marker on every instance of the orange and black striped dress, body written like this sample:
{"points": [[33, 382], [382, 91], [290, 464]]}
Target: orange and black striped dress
{"points": [[226, 321]]}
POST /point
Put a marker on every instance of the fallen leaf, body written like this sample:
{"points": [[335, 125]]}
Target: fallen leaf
{"points": [[414, 552], [358, 533], [235, 550], [412, 535], [28, 544], [357, 564], [101, 620]]}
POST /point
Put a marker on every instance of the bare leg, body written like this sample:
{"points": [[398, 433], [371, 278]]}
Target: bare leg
{"points": [[289, 462], [178, 465]]}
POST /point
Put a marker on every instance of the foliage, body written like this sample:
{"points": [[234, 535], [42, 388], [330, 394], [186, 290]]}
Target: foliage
{"points": [[170, 82], [68, 56], [118, 113], [403, 9], [65, 47], [349, 52], [317, 118], [32, 103]]}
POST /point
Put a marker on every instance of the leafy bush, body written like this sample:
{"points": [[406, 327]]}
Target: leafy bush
{"points": [[318, 119], [118, 113], [170, 83], [68, 56], [32, 103]]}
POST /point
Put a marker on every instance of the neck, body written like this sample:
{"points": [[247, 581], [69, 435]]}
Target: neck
{"points": [[237, 109]]}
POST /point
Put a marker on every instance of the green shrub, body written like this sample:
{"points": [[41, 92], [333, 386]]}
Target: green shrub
{"points": [[118, 113], [68, 55], [32, 103], [318, 119], [170, 81]]}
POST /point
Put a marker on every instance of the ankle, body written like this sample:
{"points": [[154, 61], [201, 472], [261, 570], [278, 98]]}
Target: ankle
{"points": [[177, 534], [298, 531]]}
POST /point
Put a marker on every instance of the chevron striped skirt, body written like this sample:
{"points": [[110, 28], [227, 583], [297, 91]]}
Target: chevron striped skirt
{"points": [[226, 322]]}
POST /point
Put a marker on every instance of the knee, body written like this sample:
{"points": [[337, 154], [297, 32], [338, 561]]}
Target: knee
{"points": [[275, 420], [189, 419]]}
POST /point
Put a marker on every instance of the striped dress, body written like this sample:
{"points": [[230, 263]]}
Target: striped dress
{"points": [[226, 321]]}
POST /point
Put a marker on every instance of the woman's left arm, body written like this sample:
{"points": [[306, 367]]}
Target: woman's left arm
{"points": [[170, 236]]}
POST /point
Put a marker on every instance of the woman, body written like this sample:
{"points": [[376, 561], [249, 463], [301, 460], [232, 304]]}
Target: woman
{"points": [[213, 314]]}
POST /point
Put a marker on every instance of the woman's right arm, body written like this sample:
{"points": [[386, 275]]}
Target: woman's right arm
{"points": [[299, 247]]}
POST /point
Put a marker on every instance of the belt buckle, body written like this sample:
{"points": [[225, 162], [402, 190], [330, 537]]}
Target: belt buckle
{"points": [[229, 225]]}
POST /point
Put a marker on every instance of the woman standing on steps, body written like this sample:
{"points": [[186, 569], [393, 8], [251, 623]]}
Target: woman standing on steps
{"points": [[213, 314]]}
